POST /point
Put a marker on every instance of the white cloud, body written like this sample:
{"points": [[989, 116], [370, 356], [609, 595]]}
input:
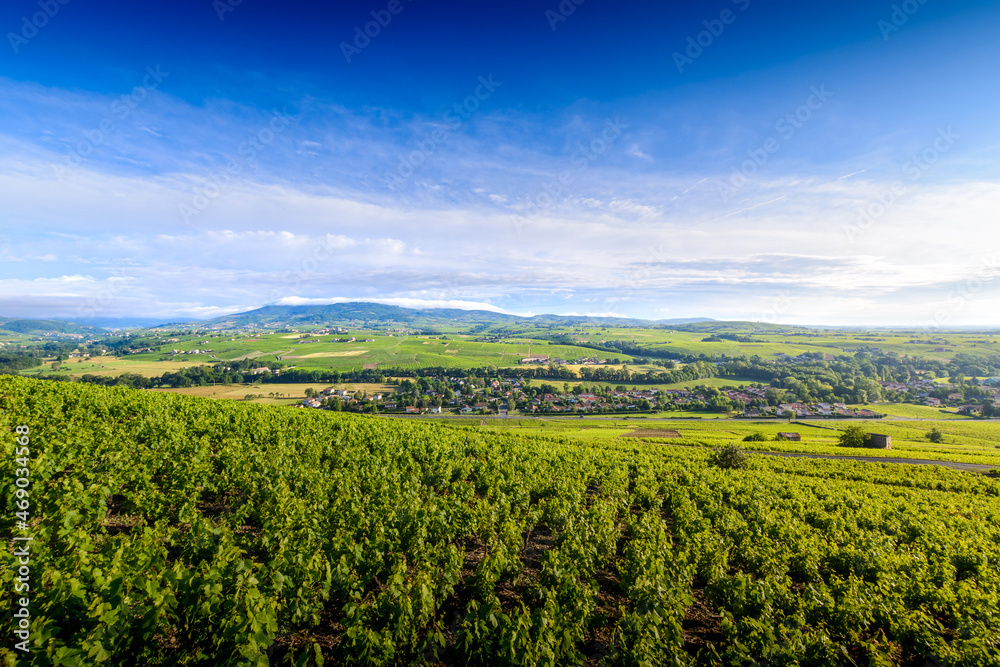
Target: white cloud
{"points": [[634, 151]]}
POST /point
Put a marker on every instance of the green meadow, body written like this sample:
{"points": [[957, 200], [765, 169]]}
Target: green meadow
{"points": [[793, 341]]}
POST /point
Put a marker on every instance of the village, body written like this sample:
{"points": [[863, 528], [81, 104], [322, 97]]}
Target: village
{"points": [[457, 395]]}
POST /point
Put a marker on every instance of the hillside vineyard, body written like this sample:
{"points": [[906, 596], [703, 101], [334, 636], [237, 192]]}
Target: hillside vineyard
{"points": [[172, 530]]}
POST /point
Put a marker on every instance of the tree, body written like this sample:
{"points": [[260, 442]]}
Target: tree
{"points": [[756, 436], [720, 404], [729, 457], [934, 435], [774, 396], [853, 436]]}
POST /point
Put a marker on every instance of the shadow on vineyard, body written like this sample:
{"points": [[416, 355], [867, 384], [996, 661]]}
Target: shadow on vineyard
{"points": [[702, 624], [173, 530]]}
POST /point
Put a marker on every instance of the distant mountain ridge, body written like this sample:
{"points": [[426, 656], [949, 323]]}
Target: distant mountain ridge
{"points": [[367, 312], [25, 326]]}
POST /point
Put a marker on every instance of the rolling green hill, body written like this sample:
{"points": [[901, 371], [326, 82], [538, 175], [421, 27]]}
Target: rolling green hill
{"points": [[375, 314], [46, 326]]}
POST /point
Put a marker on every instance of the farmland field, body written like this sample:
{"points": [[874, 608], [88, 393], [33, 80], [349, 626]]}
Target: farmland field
{"points": [[112, 366], [461, 351], [290, 393], [914, 411], [772, 340], [176, 530], [404, 352]]}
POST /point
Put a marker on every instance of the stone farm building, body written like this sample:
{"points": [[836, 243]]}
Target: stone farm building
{"points": [[535, 359], [876, 441]]}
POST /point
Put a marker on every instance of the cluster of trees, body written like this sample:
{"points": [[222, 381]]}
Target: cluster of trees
{"points": [[853, 436], [991, 410], [697, 370], [12, 362], [757, 436], [854, 379]]}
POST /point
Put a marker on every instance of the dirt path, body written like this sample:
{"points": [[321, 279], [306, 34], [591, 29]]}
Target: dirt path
{"points": [[968, 467]]}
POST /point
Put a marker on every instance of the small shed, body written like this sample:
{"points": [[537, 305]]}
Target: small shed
{"points": [[876, 441], [790, 435]]}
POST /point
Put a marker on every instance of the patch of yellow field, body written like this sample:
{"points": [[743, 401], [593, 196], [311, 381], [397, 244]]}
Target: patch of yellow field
{"points": [[290, 392], [577, 367], [451, 351], [239, 391], [250, 355], [98, 360]]}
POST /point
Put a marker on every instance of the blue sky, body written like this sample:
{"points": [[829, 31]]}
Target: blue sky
{"points": [[812, 163]]}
